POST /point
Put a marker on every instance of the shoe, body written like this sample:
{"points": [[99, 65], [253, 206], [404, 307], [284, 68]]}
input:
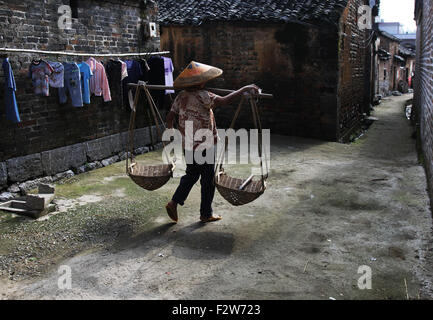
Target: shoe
{"points": [[172, 211], [210, 219]]}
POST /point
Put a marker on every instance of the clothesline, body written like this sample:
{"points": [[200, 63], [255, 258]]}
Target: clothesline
{"points": [[84, 54]]}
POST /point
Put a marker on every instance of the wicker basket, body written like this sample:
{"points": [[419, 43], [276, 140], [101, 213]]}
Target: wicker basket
{"points": [[228, 187], [146, 176], [150, 177]]}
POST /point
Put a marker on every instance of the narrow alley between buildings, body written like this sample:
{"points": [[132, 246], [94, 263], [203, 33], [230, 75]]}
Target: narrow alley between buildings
{"points": [[329, 209]]}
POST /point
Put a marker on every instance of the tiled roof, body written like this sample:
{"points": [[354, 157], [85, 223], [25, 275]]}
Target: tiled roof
{"points": [[196, 12], [406, 51], [389, 36], [401, 59]]}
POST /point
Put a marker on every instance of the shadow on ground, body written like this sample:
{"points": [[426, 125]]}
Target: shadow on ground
{"points": [[329, 209]]}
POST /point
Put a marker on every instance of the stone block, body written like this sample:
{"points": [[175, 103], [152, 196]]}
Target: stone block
{"points": [[124, 136], [39, 202], [141, 150], [32, 184], [3, 175], [81, 169], [14, 188], [24, 168], [46, 188], [110, 161], [7, 196], [63, 175], [142, 137], [155, 133], [117, 143], [98, 149], [63, 159], [89, 167], [123, 155], [95, 165]]}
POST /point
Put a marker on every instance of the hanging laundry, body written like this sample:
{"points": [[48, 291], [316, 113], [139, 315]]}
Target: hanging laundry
{"points": [[157, 77], [124, 70], [72, 85], [56, 78], [134, 75], [10, 88], [114, 72], [99, 82], [168, 69], [86, 75], [40, 72], [145, 69]]}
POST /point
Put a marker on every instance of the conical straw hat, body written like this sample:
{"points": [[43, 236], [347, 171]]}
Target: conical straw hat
{"points": [[195, 74]]}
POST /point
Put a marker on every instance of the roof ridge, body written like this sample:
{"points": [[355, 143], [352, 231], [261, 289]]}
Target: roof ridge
{"points": [[187, 12]]}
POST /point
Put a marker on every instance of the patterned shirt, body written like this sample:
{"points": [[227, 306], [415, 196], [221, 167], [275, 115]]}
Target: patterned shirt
{"points": [[99, 82], [196, 106], [57, 77], [40, 71]]}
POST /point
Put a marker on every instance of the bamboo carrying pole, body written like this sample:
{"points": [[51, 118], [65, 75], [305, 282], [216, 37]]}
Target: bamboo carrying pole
{"points": [[215, 90]]}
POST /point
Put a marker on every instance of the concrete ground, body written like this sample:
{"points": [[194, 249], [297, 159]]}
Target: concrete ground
{"points": [[329, 209]]}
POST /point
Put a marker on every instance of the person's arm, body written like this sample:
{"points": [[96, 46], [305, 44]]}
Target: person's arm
{"points": [[219, 101], [170, 119]]}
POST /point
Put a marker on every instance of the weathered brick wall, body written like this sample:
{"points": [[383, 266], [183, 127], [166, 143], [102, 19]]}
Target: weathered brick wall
{"points": [[415, 116], [384, 80], [297, 64], [352, 55], [101, 27], [423, 99], [389, 84]]}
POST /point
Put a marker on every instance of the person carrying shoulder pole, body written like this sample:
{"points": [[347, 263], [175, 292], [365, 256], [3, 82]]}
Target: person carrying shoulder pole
{"points": [[195, 105]]}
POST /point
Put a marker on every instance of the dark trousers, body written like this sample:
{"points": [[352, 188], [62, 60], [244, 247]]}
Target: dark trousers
{"points": [[193, 172]]}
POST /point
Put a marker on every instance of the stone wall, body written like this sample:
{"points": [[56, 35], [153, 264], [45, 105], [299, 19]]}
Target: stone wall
{"points": [[22, 173], [318, 79], [423, 86], [101, 26]]}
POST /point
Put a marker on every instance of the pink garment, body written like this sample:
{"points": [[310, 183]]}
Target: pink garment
{"points": [[99, 82], [124, 70]]}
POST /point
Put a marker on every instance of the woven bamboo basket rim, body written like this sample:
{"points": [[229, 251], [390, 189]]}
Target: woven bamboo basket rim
{"points": [[242, 191], [164, 173], [245, 192]]}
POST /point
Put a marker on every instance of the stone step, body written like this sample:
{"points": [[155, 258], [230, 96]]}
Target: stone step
{"points": [[14, 206]]}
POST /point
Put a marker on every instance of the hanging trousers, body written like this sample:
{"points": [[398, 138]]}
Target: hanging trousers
{"points": [[72, 80]]}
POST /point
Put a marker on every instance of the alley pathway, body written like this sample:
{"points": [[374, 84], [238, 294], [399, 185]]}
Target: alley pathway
{"points": [[329, 209]]}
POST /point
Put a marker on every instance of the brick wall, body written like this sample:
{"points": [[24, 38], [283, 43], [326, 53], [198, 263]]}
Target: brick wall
{"points": [[297, 64], [389, 84], [318, 79], [423, 86], [101, 27], [352, 89], [385, 70]]}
